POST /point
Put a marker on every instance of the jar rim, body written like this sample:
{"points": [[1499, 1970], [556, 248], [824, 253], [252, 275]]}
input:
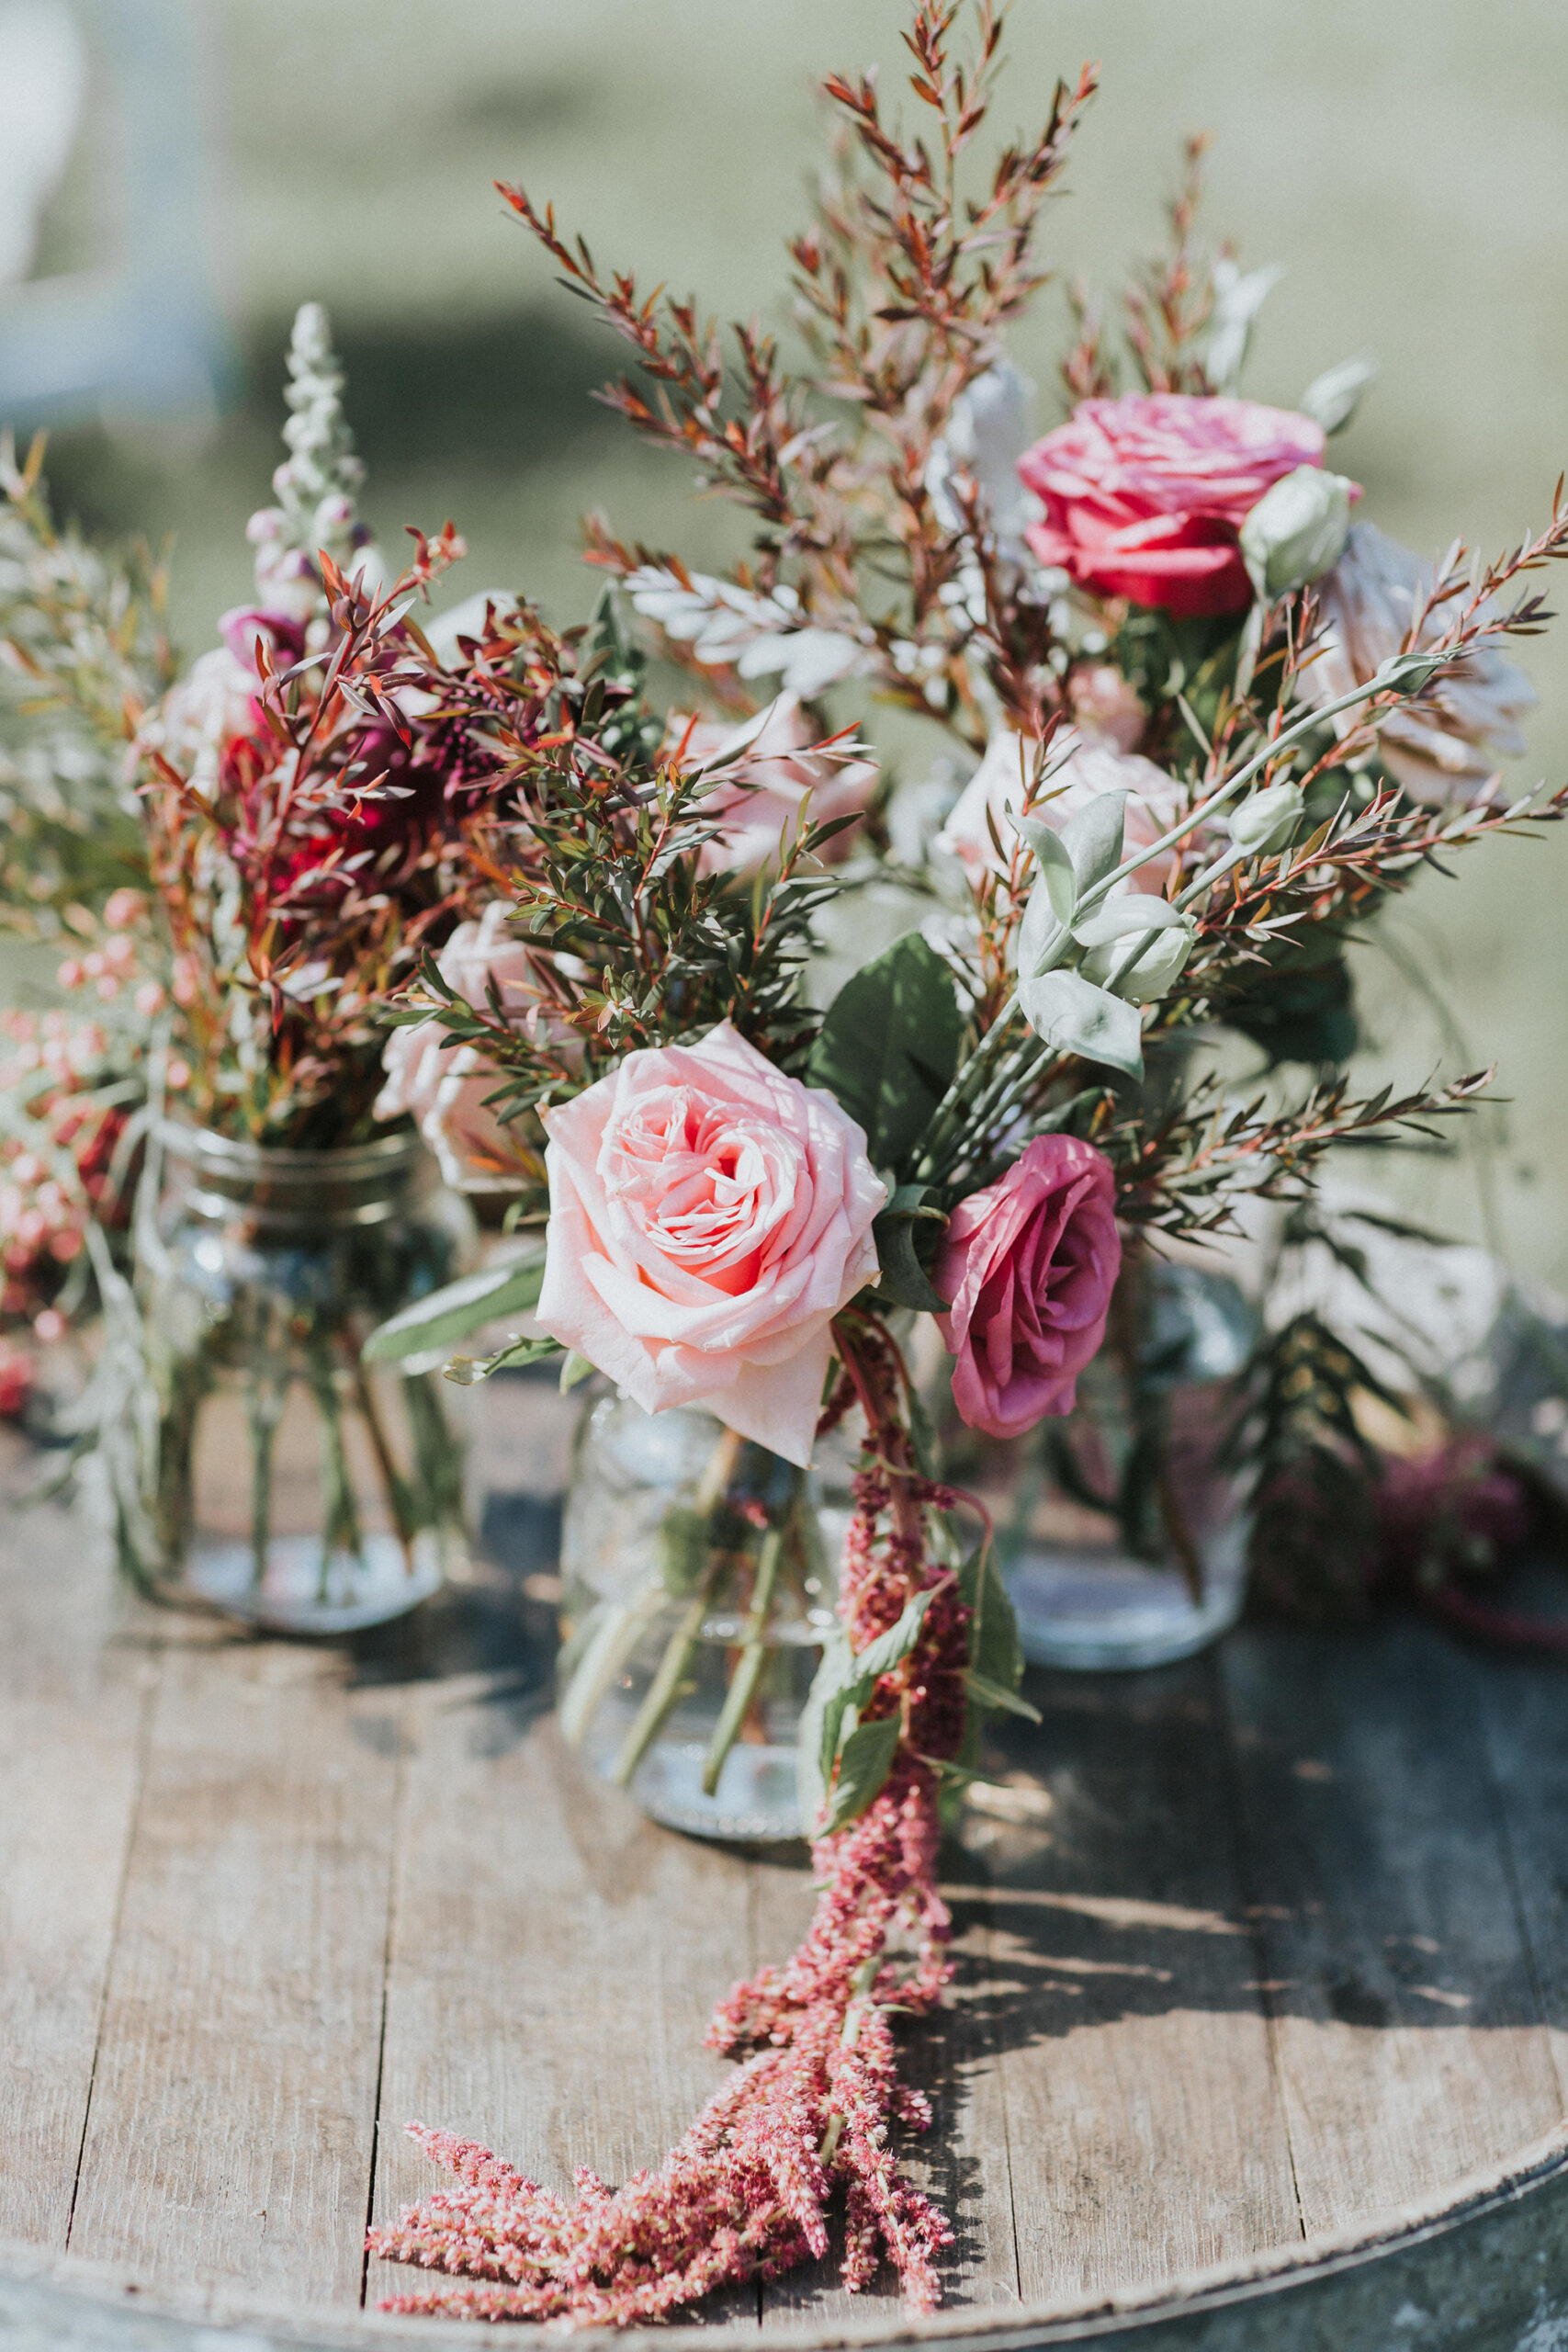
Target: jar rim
{"points": [[239, 1157]]}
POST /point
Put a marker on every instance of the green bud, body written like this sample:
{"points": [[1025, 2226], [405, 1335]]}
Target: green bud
{"points": [[1296, 531], [1267, 820]]}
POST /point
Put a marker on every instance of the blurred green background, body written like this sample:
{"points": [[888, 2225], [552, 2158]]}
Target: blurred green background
{"points": [[1404, 160]]}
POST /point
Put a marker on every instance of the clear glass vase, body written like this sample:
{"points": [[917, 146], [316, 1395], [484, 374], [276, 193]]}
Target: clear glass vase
{"points": [[698, 1577], [1123, 1529], [272, 1474]]}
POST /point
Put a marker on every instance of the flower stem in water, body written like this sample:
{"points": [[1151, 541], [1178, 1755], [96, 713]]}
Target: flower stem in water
{"points": [[748, 1667]]}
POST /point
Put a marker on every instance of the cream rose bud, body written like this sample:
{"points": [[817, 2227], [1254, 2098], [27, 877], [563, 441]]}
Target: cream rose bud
{"points": [[708, 1218], [1297, 530], [1265, 820]]}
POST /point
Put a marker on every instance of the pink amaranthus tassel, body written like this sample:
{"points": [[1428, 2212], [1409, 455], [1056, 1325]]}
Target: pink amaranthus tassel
{"points": [[746, 2193]]}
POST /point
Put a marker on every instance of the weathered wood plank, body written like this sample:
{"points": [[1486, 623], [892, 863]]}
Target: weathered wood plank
{"points": [[74, 1702], [1525, 1717], [1411, 2046], [1144, 2123], [229, 2133], [554, 1959]]}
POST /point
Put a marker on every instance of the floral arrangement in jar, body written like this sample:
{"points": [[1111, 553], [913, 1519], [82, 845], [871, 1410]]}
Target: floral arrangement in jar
{"points": [[244, 858]]}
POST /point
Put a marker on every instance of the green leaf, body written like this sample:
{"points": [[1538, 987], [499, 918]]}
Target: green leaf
{"points": [[575, 1371], [821, 1720], [1056, 871], [469, 1371], [434, 1324], [889, 1649], [1093, 838], [889, 1046], [996, 1654], [904, 1279], [1076, 1017], [992, 1696], [1043, 938], [864, 1767]]}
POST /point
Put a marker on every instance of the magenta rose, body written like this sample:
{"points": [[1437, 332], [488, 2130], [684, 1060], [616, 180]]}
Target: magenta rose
{"points": [[1145, 496], [1029, 1264], [708, 1218]]}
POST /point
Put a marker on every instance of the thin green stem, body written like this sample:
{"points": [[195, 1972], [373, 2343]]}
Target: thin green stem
{"points": [[666, 1687], [749, 1667]]}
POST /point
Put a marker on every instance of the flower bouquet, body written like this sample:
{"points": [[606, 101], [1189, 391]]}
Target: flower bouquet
{"points": [[1215, 723], [245, 859], [1220, 725]]}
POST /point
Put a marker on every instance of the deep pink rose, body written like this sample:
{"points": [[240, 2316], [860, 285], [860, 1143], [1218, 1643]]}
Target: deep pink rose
{"points": [[775, 786], [708, 1218], [1145, 496], [1028, 1263]]}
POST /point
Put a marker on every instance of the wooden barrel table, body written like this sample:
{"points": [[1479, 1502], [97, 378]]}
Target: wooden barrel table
{"points": [[1259, 2037]]}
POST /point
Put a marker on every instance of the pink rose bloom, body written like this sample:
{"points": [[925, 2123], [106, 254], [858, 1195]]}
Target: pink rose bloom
{"points": [[708, 1218], [1028, 1263], [1145, 496], [771, 784], [443, 1085], [1082, 769]]}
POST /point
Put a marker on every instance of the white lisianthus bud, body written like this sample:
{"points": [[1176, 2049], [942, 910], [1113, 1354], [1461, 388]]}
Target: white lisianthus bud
{"points": [[1266, 821], [1296, 531]]}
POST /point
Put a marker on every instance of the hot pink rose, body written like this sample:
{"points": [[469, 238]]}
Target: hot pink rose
{"points": [[443, 1086], [708, 1218], [1028, 1263], [1144, 495], [771, 784]]}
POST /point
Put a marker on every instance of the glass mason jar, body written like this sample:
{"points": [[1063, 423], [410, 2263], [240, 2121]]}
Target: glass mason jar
{"points": [[277, 1477], [1123, 1528], [698, 1577]]}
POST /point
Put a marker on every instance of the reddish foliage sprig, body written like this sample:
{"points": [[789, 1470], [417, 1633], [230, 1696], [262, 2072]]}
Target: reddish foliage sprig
{"points": [[808, 2113]]}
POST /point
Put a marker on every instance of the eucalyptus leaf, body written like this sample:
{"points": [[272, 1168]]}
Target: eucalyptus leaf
{"points": [[889, 1046], [1092, 839], [1074, 1017], [1121, 918], [863, 1766], [1056, 870], [1043, 937], [434, 1324]]}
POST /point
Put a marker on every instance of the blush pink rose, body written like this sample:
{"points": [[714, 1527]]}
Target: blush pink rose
{"points": [[1029, 1264], [708, 1218], [772, 781], [1145, 496], [1081, 769], [443, 1086]]}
